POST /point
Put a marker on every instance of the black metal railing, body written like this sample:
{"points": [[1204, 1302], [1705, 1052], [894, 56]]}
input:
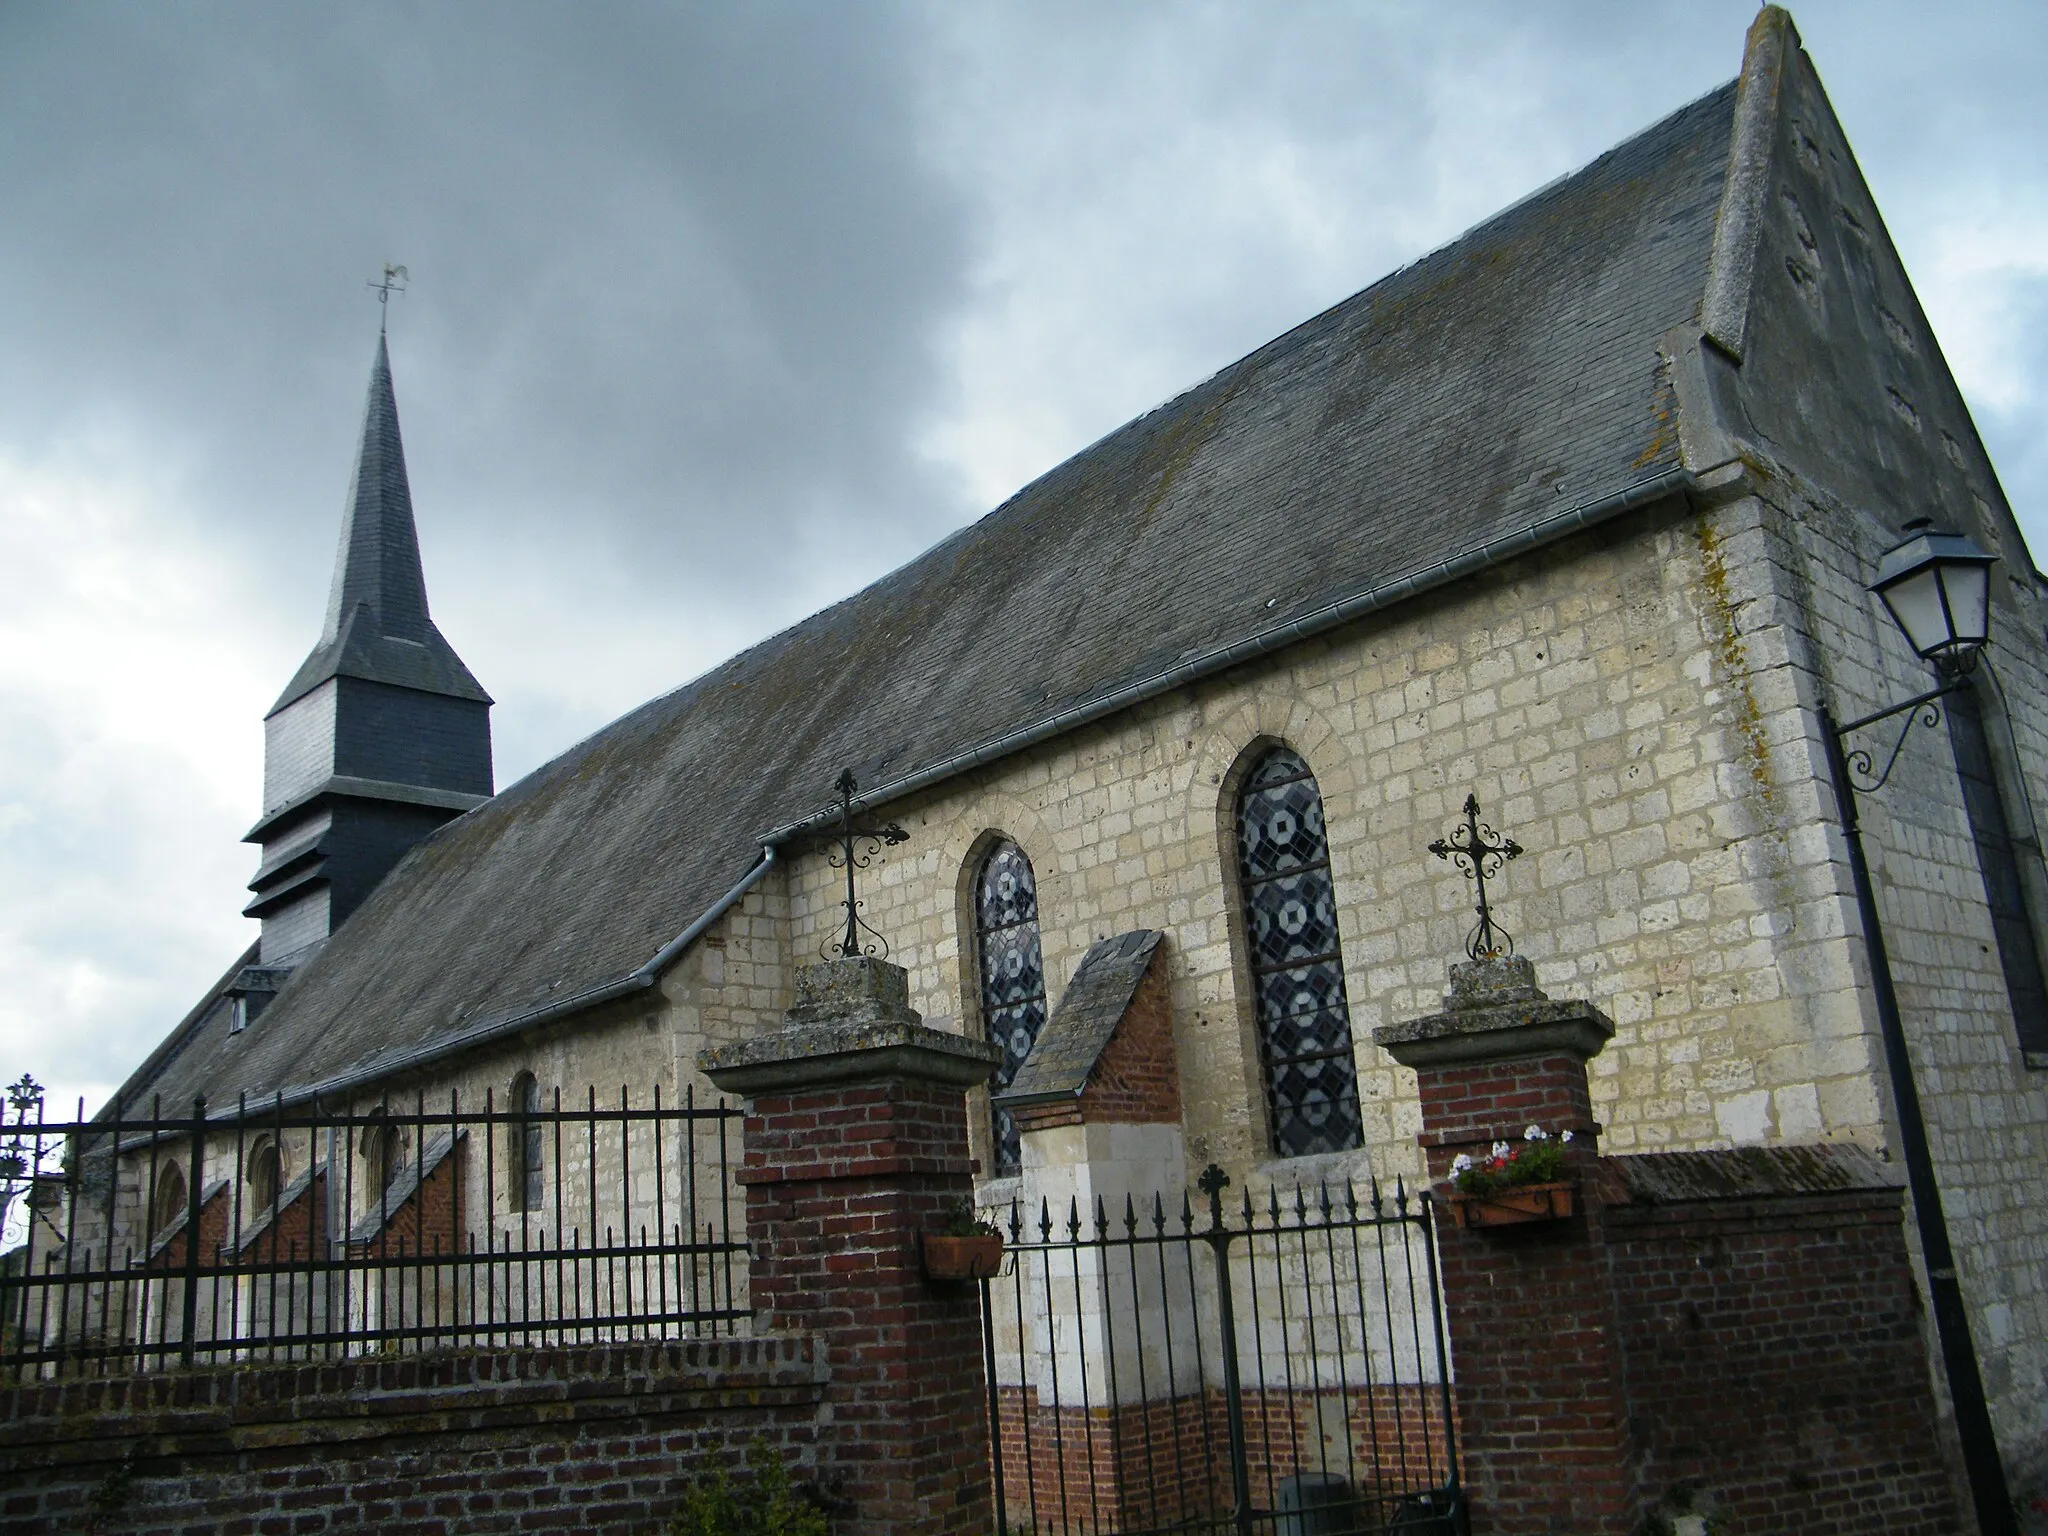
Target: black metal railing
{"points": [[309, 1233], [1282, 1369]]}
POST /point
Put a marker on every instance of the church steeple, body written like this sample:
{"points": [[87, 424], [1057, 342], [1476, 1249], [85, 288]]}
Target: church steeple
{"points": [[379, 562], [382, 734], [377, 624]]}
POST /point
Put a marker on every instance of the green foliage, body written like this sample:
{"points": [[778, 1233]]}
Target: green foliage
{"points": [[961, 1221], [1534, 1162], [765, 1503]]}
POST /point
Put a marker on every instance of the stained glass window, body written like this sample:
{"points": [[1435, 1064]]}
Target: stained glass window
{"points": [[1012, 974], [1297, 959]]}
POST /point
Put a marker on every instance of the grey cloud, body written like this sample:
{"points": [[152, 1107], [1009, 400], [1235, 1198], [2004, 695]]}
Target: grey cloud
{"points": [[678, 269]]}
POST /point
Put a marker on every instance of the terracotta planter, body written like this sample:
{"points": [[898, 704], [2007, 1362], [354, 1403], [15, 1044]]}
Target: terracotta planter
{"points": [[962, 1258], [1513, 1206]]}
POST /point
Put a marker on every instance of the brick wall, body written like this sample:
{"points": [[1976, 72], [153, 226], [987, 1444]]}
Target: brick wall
{"points": [[1136, 1080], [1744, 1323], [540, 1441], [840, 1184], [1780, 1342]]}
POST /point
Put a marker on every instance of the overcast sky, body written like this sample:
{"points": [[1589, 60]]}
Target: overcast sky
{"points": [[716, 314]]}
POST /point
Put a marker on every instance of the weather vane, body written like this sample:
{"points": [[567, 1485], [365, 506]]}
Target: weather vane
{"points": [[395, 279], [1483, 853], [856, 848]]}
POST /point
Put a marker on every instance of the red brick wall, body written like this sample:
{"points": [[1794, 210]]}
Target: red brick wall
{"points": [[429, 1215], [539, 1441], [1146, 1466], [1474, 1104], [841, 1184], [1136, 1079], [1765, 1351], [1775, 1346]]}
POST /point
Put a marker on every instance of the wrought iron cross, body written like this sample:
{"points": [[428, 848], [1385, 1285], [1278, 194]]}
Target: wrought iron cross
{"points": [[857, 847], [1483, 853]]}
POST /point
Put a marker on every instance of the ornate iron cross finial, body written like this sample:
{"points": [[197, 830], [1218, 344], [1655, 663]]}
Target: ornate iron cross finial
{"points": [[1483, 853], [24, 1096], [856, 848], [395, 279]]}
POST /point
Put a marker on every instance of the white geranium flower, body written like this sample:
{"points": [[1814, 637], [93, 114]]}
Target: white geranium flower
{"points": [[1565, 1136], [1535, 1133], [1462, 1163], [1502, 1149]]}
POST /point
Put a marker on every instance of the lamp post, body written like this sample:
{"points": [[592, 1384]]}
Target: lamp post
{"points": [[1936, 587]]}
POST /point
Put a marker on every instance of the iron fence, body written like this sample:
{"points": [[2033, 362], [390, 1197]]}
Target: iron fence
{"points": [[275, 1234], [1282, 1369]]}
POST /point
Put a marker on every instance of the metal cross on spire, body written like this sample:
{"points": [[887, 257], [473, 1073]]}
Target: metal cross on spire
{"points": [[395, 279], [1483, 853], [856, 848]]}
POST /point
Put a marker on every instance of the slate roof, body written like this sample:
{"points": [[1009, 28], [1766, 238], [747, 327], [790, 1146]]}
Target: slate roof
{"points": [[377, 624], [1090, 1009], [1468, 398]]}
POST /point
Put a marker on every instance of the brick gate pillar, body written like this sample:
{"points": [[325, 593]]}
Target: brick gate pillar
{"points": [[855, 1144], [1536, 1346]]}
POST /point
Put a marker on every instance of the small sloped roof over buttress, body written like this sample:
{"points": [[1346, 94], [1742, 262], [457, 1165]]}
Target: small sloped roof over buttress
{"points": [[1505, 378]]}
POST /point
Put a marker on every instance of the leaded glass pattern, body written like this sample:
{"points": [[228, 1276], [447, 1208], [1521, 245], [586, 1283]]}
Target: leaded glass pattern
{"points": [[1297, 959], [1012, 975]]}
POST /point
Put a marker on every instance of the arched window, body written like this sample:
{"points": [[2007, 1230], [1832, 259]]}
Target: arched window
{"points": [[265, 1174], [1012, 974], [170, 1197], [1297, 960], [383, 1145], [523, 1147]]}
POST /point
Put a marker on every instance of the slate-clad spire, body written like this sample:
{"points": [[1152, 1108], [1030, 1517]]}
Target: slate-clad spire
{"points": [[378, 565], [379, 594], [381, 735]]}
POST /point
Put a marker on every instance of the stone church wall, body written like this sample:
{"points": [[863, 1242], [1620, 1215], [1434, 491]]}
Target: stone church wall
{"points": [[1635, 708], [1591, 699]]}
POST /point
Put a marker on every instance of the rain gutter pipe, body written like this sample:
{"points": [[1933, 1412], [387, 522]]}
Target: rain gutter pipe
{"points": [[1669, 482], [496, 1029]]}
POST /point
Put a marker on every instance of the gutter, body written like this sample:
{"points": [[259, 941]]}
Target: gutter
{"points": [[497, 1029], [1669, 482]]}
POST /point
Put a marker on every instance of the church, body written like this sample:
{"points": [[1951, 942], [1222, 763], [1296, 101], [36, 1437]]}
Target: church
{"points": [[1577, 516]]}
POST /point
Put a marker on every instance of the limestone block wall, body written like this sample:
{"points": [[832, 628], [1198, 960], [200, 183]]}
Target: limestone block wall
{"points": [[1611, 706], [1986, 1107]]}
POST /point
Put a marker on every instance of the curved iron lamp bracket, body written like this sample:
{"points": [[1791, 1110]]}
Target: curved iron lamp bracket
{"points": [[1922, 709]]}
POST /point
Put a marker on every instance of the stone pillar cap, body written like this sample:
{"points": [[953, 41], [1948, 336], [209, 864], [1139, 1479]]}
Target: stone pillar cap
{"points": [[852, 1023], [1494, 1011]]}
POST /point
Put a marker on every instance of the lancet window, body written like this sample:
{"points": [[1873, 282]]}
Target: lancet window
{"points": [[1297, 959], [523, 1151], [170, 1197], [266, 1170], [1012, 975]]}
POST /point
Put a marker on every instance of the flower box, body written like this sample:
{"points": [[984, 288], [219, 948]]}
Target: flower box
{"points": [[1512, 1206], [962, 1258]]}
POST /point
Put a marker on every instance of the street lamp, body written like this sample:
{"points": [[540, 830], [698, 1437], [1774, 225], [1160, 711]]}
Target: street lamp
{"points": [[1936, 586]]}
